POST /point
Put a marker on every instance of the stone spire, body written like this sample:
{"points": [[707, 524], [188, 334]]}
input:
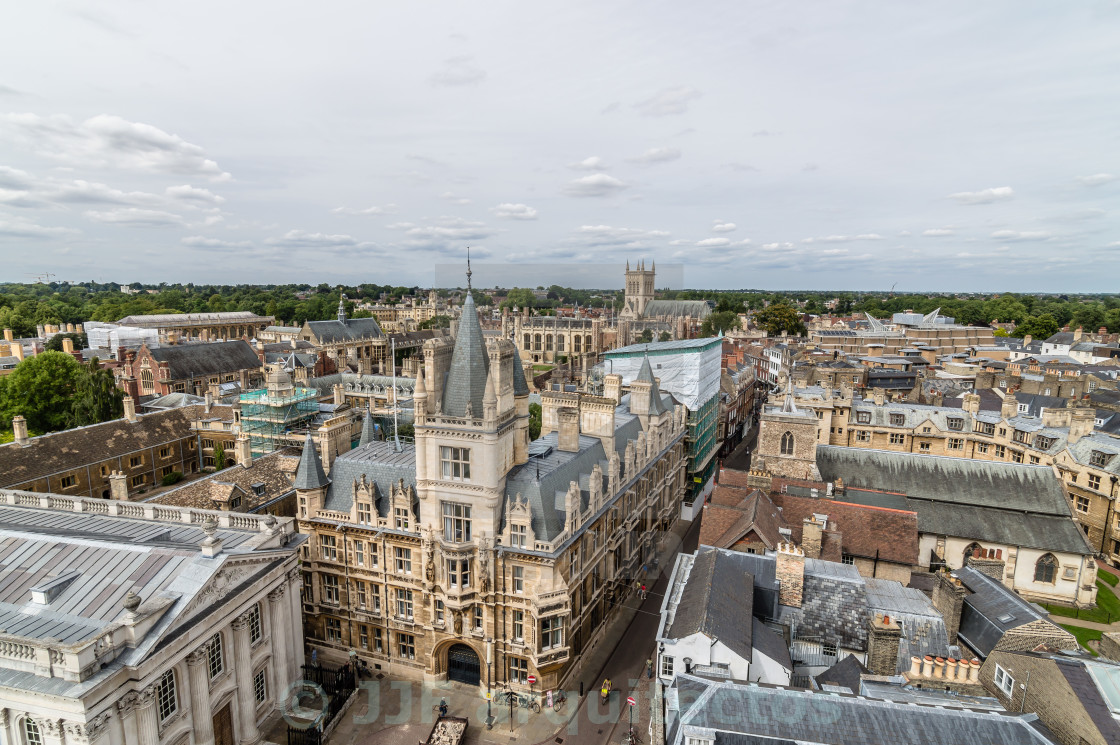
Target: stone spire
{"points": [[466, 380], [368, 432], [309, 474], [342, 309], [645, 375], [520, 387]]}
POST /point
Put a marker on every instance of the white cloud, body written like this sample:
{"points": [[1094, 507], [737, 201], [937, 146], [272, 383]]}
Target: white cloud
{"points": [[720, 226], [984, 196], [514, 211], [595, 185], [454, 198], [1097, 179], [188, 193], [17, 228], [741, 167], [777, 246], [844, 238], [904, 233], [1021, 235], [20, 198], [303, 239], [713, 242], [656, 155], [13, 178], [107, 141], [608, 236], [668, 101], [198, 241], [134, 216], [444, 234], [389, 209], [594, 163], [457, 71], [85, 192], [937, 232]]}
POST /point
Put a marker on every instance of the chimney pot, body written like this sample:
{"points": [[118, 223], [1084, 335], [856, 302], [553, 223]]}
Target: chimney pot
{"points": [[19, 430], [130, 409]]}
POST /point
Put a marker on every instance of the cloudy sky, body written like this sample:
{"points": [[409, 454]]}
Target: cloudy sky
{"points": [[960, 145]]}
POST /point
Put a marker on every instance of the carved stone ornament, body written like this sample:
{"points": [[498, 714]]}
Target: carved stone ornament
{"points": [[128, 703], [276, 595], [131, 601], [458, 623], [430, 569]]}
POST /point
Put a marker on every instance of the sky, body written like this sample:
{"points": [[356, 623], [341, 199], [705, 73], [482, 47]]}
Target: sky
{"points": [[955, 146]]}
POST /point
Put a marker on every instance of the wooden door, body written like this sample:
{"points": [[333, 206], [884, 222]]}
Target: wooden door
{"points": [[223, 727]]}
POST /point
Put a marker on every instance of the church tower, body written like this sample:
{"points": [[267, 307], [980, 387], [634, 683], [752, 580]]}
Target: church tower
{"points": [[639, 289]]}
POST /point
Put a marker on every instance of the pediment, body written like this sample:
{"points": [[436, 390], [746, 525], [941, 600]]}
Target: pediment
{"points": [[232, 574]]}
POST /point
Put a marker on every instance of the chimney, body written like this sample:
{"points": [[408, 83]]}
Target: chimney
{"points": [[9, 335], [1010, 406], [19, 430], [339, 394], [882, 645], [1077, 335], [209, 401], [811, 534], [568, 437], [68, 345], [790, 572], [1081, 422], [971, 403], [17, 350], [948, 599], [988, 561], [927, 666], [130, 409], [612, 387], [1026, 339], [242, 451], [877, 395], [118, 486]]}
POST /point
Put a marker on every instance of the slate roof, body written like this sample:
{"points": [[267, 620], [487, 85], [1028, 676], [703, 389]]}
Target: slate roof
{"points": [[845, 673], [274, 472], [769, 643], [381, 464], [1090, 680], [1082, 451], [708, 709], [923, 628], [340, 332], [369, 434], [693, 308], [362, 383], [75, 448], [520, 387], [169, 319], [833, 607], [715, 601], [187, 361], [309, 474], [1009, 503], [470, 366], [991, 611]]}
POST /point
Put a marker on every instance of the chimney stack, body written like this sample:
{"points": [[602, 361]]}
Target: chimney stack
{"points": [[811, 535], [19, 430], [9, 335], [118, 486], [568, 436], [882, 645], [130, 409], [208, 400], [612, 387], [948, 599], [988, 561], [877, 395], [242, 450], [16, 350], [971, 403], [1077, 335], [68, 345], [1010, 406], [1080, 424], [790, 573]]}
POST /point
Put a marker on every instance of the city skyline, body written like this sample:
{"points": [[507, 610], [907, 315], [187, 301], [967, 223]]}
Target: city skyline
{"points": [[809, 146]]}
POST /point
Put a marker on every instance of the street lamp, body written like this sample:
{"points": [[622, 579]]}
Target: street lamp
{"points": [[489, 690]]}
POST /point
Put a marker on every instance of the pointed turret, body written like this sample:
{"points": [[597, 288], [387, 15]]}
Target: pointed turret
{"points": [[645, 375], [369, 433], [342, 308], [520, 387], [489, 399], [466, 380], [309, 474]]}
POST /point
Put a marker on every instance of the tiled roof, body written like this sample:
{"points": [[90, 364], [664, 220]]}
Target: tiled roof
{"points": [[274, 472], [715, 600], [991, 611], [380, 463], [845, 673], [187, 361], [867, 532], [75, 448], [833, 606], [733, 512], [352, 329]]}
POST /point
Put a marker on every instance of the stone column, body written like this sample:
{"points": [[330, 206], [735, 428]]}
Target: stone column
{"points": [[94, 732], [147, 720], [50, 730], [126, 709], [278, 613], [243, 672], [198, 672], [295, 603]]}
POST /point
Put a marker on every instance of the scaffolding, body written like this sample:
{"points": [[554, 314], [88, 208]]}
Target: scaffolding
{"points": [[272, 415]]}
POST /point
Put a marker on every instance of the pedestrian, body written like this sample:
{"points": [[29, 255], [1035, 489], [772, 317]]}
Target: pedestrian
{"points": [[314, 657], [649, 667], [643, 591]]}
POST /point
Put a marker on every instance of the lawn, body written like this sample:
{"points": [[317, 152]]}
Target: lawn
{"points": [[1107, 610], [1108, 577], [1084, 636], [542, 368]]}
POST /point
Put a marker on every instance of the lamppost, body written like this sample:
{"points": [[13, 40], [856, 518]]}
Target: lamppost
{"points": [[489, 689]]}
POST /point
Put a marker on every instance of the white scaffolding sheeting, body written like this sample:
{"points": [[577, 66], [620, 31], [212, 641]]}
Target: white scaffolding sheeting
{"points": [[691, 376], [111, 336]]}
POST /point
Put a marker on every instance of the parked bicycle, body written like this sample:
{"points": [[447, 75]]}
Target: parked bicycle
{"points": [[558, 699], [522, 700]]}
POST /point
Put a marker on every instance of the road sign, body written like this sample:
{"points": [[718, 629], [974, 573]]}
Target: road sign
{"points": [[532, 679], [631, 700]]}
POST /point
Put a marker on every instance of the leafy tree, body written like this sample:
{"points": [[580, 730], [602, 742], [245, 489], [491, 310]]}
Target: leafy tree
{"points": [[779, 317], [1039, 327], [646, 337], [534, 421], [41, 388], [407, 431], [219, 456], [435, 322], [1089, 317], [665, 336], [172, 478], [723, 320], [97, 397], [1000, 332], [55, 343]]}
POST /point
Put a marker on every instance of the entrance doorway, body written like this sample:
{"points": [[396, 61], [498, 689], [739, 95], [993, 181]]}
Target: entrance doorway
{"points": [[223, 727], [463, 665]]}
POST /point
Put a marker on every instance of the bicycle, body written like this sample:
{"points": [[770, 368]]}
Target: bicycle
{"points": [[631, 738], [522, 700], [558, 699]]}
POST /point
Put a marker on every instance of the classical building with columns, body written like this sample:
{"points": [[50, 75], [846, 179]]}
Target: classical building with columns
{"points": [[474, 554], [238, 324], [141, 624]]}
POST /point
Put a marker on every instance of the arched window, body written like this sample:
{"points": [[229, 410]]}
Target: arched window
{"points": [[587, 343], [576, 344], [536, 342], [969, 552], [31, 732], [787, 443], [560, 343], [528, 342], [1046, 569], [548, 343], [146, 381]]}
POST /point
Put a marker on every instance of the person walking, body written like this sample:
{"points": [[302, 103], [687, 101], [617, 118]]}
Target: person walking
{"points": [[649, 667], [642, 592]]}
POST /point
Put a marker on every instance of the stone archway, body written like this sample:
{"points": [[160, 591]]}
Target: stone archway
{"points": [[463, 664]]}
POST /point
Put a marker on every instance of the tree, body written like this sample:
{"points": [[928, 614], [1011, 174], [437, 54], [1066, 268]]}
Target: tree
{"points": [[718, 322], [41, 389], [1089, 317], [97, 397], [219, 456], [646, 337], [665, 336], [534, 421], [1039, 327], [55, 343], [1000, 332], [435, 322], [779, 317]]}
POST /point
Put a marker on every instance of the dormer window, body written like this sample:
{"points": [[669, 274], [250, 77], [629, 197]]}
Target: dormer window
{"points": [[955, 423], [863, 417], [897, 420], [1097, 458], [365, 513], [1043, 443], [518, 536]]}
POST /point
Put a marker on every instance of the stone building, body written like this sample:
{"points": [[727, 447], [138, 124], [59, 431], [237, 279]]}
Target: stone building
{"points": [[144, 624], [188, 368], [350, 342], [256, 485], [472, 543], [239, 324], [551, 339]]}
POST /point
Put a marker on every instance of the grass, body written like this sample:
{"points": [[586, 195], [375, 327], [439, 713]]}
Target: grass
{"points": [[542, 368], [1107, 610], [1108, 577], [1084, 636]]}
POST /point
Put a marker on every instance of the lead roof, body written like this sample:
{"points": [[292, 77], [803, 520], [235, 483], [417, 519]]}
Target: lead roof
{"points": [[466, 379]]}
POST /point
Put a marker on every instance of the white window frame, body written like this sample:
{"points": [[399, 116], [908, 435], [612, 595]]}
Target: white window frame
{"points": [[455, 463], [1004, 681], [666, 666], [456, 522], [215, 660]]}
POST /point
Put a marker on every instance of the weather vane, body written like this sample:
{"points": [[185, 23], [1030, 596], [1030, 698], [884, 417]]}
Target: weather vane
{"points": [[468, 268]]}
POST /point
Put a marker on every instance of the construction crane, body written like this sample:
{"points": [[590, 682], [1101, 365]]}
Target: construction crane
{"points": [[892, 290], [43, 278]]}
